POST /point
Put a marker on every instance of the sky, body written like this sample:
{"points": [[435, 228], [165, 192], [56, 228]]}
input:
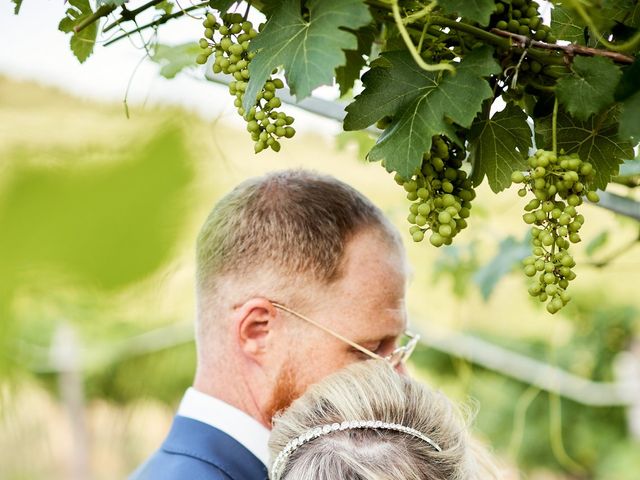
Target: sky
{"points": [[32, 48]]}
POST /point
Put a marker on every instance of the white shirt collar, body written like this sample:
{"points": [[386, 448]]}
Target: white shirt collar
{"points": [[235, 423]]}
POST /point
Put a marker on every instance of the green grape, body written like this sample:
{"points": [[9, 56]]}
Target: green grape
{"points": [[593, 197], [540, 35], [418, 236], [231, 51], [517, 177], [528, 76], [513, 25], [441, 194], [436, 240], [534, 23], [559, 184]]}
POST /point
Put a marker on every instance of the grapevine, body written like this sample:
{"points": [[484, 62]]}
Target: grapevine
{"points": [[521, 17], [454, 86], [559, 184], [232, 56], [441, 193]]}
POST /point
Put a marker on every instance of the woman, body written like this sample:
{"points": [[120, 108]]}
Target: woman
{"points": [[367, 422]]}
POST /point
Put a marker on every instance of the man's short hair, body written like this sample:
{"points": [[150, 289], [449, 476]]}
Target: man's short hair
{"points": [[294, 222]]}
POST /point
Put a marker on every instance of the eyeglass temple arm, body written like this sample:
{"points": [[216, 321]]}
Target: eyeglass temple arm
{"points": [[330, 332]]}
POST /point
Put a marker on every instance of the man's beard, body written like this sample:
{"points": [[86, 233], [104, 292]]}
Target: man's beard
{"points": [[285, 391]]}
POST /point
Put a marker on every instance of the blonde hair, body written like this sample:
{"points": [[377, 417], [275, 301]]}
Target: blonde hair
{"points": [[368, 391]]}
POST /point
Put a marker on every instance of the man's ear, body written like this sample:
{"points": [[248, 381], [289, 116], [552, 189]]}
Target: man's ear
{"points": [[254, 321]]}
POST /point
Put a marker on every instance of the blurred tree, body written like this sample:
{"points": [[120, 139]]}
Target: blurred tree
{"points": [[99, 226], [538, 429]]}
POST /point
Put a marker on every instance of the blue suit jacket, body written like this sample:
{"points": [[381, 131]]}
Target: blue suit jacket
{"points": [[196, 451]]}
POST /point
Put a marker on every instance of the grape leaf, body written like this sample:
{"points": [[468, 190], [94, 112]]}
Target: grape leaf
{"points": [[566, 25], [423, 104], [617, 17], [630, 81], [595, 140], [588, 89], [634, 16], [347, 74], [175, 58], [165, 6], [309, 50], [16, 9], [626, 12], [477, 10], [82, 42], [387, 88], [221, 5], [509, 254], [498, 146], [597, 243], [630, 118], [628, 92]]}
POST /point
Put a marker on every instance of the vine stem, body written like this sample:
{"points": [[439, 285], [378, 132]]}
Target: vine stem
{"points": [[519, 419], [514, 81], [554, 127], [185, 12], [616, 253], [420, 14], [500, 38], [126, 93], [541, 87], [131, 14], [465, 27], [555, 433], [103, 11], [424, 33], [395, 9], [569, 50], [160, 21]]}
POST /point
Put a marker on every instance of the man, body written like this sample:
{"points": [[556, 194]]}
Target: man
{"points": [[298, 275]]}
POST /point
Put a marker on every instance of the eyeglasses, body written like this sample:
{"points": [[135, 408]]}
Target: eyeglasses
{"points": [[395, 358]]}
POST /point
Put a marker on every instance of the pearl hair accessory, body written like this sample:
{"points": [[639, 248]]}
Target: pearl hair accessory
{"points": [[280, 461]]}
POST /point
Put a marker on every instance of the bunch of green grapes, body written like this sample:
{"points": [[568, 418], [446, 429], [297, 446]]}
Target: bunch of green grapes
{"points": [[558, 184], [265, 124], [523, 74], [440, 193], [521, 17]]}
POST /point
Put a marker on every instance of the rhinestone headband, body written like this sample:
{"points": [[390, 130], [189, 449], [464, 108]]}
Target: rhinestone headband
{"points": [[280, 461]]}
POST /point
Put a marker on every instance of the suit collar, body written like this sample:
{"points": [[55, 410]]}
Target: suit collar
{"points": [[199, 440], [228, 419]]}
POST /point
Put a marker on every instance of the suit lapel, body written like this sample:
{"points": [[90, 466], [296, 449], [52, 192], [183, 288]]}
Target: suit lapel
{"points": [[199, 440]]}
